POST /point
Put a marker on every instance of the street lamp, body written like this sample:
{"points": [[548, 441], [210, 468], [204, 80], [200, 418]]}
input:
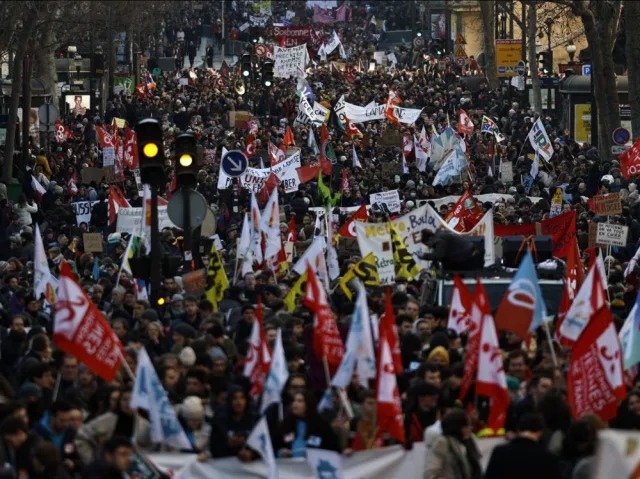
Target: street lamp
{"points": [[571, 50], [549, 23]]}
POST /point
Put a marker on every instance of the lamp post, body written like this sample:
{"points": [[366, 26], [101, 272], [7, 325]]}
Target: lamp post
{"points": [[549, 23], [571, 50]]}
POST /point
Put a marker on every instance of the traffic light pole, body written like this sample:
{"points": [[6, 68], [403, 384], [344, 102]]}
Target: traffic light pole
{"points": [[156, 253], [188, 255]]}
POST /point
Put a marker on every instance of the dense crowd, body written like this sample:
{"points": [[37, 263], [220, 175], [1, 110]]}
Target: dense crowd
{"points": [[59, 420]]}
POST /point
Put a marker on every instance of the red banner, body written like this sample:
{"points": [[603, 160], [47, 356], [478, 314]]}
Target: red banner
{"points": [[562, 230], [81, 330], [288, 37], [630, 160]]}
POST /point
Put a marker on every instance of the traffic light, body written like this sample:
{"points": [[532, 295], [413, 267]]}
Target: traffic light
{"points": [[437, 47], [267, 73], [545, 62], [186, 165], [245, 63], [151, 152]]}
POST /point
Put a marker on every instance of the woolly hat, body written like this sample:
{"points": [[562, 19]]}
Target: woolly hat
{"points": [[192, 408]]}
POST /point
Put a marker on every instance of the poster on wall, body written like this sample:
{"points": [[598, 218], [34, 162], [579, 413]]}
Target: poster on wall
{"points": [[582, 123], [438, 26], [78, 104]]}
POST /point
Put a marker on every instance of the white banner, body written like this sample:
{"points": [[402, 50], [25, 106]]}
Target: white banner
{"points": [[407, 116], [376, 238], [362, 114], [286, 171], [379, 463], [614, 235], [253, 179], [389, 198], [618, 454], [318, 115], [82, 210], [258, 21], [130, 220], [108, 156], [490, 197], [288, 62]]}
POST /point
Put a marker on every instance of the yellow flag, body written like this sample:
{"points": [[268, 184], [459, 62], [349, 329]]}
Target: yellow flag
{"points": [[295, 292], [216, 278], [406, 266], [365, 270]]}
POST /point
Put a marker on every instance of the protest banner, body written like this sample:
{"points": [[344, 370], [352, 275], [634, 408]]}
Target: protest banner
{"points": [[82, 210], [253, 179], [92, 242], [607, 205], [362, 114], [288, 62], [195, 282], [292, 36], [376, 238], [506, 170], [408, 116], [612, 234], [287, 173], [130, 220], [390, 200]]}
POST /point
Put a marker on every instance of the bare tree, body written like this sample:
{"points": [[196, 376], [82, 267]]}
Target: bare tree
{"points": [[487, 13], [632, 17], [532, 19]]}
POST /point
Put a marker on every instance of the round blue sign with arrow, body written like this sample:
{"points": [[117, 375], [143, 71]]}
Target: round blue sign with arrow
{"points": [[521, 68], [234, 163], [621, 136]]}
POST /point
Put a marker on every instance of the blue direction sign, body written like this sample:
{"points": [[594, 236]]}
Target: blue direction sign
{"points": [[234, 163], [586, 70], [520, 68]]}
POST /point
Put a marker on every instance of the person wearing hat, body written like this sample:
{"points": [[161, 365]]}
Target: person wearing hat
{"points": [[422, 410], [183, 334], [198, 431]]}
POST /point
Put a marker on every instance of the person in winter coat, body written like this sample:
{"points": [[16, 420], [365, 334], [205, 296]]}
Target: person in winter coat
{"points": [[454, 455], [232, 426], [24, 210]]}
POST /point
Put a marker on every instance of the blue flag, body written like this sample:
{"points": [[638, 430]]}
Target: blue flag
{"points": [[96, 269], [630, 337], [528, 270]]}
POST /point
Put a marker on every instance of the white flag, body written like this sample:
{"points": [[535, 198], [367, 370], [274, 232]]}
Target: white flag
{"points": [[149, 394], [256, 233], [223, 179], [270, 226], [325, 464], [421, 155], [359, 353], [311, 142], [278, 375], [42, 278], [535, 167], [245, 251], [356, 161], [260, 441], [540, 140], [333, 266], [313, 256]]}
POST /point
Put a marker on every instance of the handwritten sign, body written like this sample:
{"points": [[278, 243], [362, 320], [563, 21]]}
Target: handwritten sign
{"points": [[507, 172], [391, 200], [611, 234], [288, 62], [92, 242], [606, 205]]}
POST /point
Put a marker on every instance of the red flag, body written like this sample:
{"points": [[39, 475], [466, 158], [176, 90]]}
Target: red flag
{"points": [[62, 132], [308, 173], [117, 200], [630, 160], [352, 130], [460, 310], [491, 380], [250, 146], [327, 342], [349, 75], [388, 396], [389, 331], [131, 149], [104, 137], [81, 331], [292, 233], [595, 384], [347, 230], [393, 100], [407, 146], [479, 310], [258, 360], [288, 137], [270, 184], [276, 155], [38, 189], [465, 125], [465, 214], [345, 181]]}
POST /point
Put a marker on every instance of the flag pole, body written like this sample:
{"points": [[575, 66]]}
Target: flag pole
{"points": [[126, 366], [552, 349], [327, 375], [56, 388]]}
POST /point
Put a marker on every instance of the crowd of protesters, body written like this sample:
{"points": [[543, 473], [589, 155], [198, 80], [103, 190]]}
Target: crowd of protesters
{"points": [[58, 420]]}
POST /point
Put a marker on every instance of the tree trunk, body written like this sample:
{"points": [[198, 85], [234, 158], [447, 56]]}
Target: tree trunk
{"points": [[532, 19], [26, 105], [44, 66], [600, 22], [632, 17], [487, 12], [16, 86]]}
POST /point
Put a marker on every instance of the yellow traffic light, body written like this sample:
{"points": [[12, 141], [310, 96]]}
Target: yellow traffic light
{"points": [[186, 160], [160, 301], [150, 150]]}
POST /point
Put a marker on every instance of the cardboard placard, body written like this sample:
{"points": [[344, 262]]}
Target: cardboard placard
{"points": [[593, 233], [607, 205], [92, 242], [195, 282], [507, 172], [110, 174], [88, 175], [612, 234], [238, 117]]}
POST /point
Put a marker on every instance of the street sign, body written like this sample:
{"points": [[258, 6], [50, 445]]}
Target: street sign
{"points": [[461, 61], [521, 68], [460, 39], [234, 163], [261, 49], [442, 65], [197, 211], [508, 55], [586, 70], [621, 136], [459, 51], [618, 149], [51, 110]]}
